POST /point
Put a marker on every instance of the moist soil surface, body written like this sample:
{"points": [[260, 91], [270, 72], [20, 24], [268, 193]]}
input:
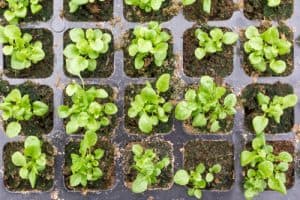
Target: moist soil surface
{"points": [[162, 149], [285, 32], [106, 164], [210, 153], [97, 11], [150, 70], [105, 130], [217, 64], [220, 10], [252, 109], [42, 69], [105, 66], [12, 180], [36, 125], [259, 9]]}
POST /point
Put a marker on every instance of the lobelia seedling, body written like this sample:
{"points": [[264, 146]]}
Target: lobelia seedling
{"points": [[148, 166], [21, 48], [206, 4], [86, 112], [16, 108], [207, 105], [31, 161], [149, 42], [85, 165], [74, 5], [197, 179], [274, 3], [150, 107], [213, 42], [18, 9], [87, 46], [265, 49], [147, 6], [272, 108]]}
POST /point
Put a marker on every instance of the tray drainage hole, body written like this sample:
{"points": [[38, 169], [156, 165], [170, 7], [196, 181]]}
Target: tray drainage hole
{"points": [[58, 25]]}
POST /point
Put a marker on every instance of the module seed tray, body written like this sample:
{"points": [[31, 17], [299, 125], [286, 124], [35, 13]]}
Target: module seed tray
{"points": [[176, 139]]}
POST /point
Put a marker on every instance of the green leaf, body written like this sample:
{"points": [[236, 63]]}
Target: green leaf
{"points": [[274, 3], [137, 149], [182, 111], [75, 180], [188, 2], [140, 184], [209, 177], [200, 53], [278, 66], [230, 100], [13, 129], [247, 157], [215, 126], [251, 32], [162, 84], [277, 185], [230, 38], [181, 177], [266, 168], [32, 178], [18, 159], [285, 157], [110, 108], [259, 124], [144, 124], [76, 34], [216, 168], [39, 108], [199, 120], [23, 172]]}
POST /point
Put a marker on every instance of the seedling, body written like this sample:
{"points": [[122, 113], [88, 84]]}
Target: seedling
{"points": [[265, 49], [20, 47], [150, 41], [272, 108], [16, 108], [274, 3], [87, 46], [31, 161], [207, 105], [198, 179], [264, 168], [74, 5], [147, 6], [148, 166], [85, 165], [206, 4], [18, 9], [213, 42], [86, 112], [150, 107]]}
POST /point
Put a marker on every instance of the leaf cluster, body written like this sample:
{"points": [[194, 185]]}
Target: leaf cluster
{"points": [[148, 166], [16, 107], [274, 3], [86, 112], [146, 5], [31, 161], [197, 179], [207, 105], [206, 4], [264, 49], [149, 41], [150, 107], [74, 5]]}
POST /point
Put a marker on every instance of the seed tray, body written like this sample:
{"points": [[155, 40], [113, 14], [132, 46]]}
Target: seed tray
{"points": [[237, 80]]}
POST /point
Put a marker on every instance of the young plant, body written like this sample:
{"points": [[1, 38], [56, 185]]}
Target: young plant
{"points": [[18, 9], [31, 161], [148, 166], [274, 3], [147, 6], [264, 168], [20, 47], [213, 42], [85, 165], [272, 108], [74, 5], [197, 179], [206, 4], [150, 107], [265, 49], [207, 105], [150, 41], [87, 46], [86, 112], [16, 108]]}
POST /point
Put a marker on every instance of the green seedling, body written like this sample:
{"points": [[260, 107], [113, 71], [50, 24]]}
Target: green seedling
{"points": [[148, 166], [74, 5], [31, 161], [147, 6], [150, 41], [197, 179], [274, 3], [16, 108], [206, 4], [150, 107], [207, 105]]}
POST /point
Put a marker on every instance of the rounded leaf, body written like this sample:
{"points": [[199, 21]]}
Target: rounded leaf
{"points": [[13, 129], [181, 177]]}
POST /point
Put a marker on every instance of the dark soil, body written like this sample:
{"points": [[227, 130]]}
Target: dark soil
{"points": [[105, 130], [210, 153], [162, 149], [44, 15], [97, 11], [252, 108], [105, 62], [150, 70], [106, 164], [165, 13], [12, 180], [285, 32], [220, 10], [42, 69], [259, 9], [36, 125], [217, 64]]}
